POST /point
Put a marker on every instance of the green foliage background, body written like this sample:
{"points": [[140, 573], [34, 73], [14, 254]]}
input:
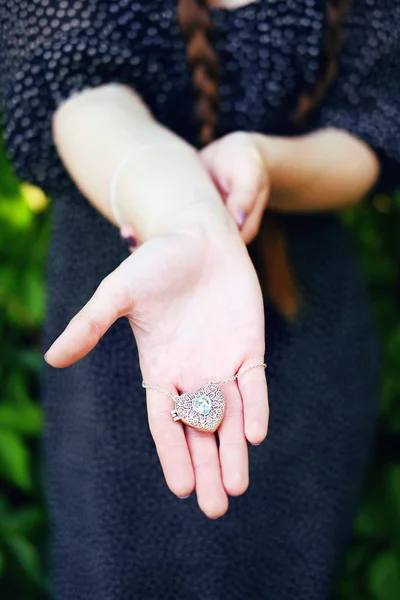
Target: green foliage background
{"points": [[24, 235], [371, 569]]}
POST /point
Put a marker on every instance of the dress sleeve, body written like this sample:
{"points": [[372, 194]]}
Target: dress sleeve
{"points": [[365, 99], [52, 49]]}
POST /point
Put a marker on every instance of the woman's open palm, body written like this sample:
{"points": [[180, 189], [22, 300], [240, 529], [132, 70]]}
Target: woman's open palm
{"points": [[196, 310]]}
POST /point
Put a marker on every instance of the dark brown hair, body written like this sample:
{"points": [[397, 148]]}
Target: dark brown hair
{"points": [[196, 27], [277, 277]]}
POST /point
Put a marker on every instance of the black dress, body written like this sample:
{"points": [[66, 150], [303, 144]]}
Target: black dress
{"points": [[118, 533]]}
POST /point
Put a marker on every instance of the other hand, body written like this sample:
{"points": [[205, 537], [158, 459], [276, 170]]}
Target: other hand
{"points": [[240, 172]]}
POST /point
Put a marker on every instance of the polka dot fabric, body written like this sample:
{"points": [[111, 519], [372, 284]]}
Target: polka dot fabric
{"points": [[52, 50], [117, 532], [365, 99], [269, 52]]}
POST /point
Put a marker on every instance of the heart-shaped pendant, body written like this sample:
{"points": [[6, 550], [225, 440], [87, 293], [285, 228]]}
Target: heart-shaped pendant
{"points": [[202, 410]]}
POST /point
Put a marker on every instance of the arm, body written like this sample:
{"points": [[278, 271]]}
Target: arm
{"points": [[326, 170], [190, 292], [96, 129]]}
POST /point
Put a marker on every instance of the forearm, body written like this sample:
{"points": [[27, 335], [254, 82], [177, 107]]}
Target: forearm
{"points": [[96, 129], [326, 170]]}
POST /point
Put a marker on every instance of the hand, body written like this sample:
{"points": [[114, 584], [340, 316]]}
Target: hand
{"points": [[240, 172], [199, 316]]}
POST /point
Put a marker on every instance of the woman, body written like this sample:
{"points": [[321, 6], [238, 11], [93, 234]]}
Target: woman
{"points": [[98, 107]]}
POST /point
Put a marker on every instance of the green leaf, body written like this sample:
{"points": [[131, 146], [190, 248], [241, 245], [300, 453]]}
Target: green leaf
{"points": [[29, 359], [371, 522], [21, 418], [32, 296], [2, 563], [26, 556], [22, 521], [16, 388], [384, 577], [15, 460], [393, 484]]}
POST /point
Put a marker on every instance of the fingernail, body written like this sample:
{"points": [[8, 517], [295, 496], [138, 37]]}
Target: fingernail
{"points": [[45, 356], [127, 233], [130, 240], [241, 218], [259, 444], [183, 497]]}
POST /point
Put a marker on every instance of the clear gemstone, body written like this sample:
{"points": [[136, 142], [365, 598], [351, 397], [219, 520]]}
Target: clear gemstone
{"points": [[202, 404]]}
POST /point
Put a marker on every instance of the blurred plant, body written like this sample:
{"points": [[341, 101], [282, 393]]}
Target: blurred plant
{"points": [[23, 243], [372, 565]]}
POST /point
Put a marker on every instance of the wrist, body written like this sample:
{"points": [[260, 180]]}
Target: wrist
{"points": [[167, 190], [206, 215]]}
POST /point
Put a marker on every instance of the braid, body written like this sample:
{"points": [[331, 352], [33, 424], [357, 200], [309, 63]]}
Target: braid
{"points": [[196, 27], [335, 17], [269, 250]]}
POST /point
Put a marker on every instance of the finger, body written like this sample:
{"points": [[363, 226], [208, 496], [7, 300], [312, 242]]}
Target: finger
{"points": [[233, 445], [246, 184], [217, 173], [253, 389], [129, 235], [172, 449], [84, 331], [249, 194], [211, 495], [252, 223], [238, 179], [240, 204]]}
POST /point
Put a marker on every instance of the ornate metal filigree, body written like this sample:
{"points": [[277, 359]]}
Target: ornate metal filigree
{"points": [[203, 410]]}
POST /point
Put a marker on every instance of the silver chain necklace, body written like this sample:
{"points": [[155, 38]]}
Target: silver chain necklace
{"points": [[204, 409]]}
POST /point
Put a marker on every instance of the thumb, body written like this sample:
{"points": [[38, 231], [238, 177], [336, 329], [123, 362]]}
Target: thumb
{"points": [[240, 175], [109, 302]]}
